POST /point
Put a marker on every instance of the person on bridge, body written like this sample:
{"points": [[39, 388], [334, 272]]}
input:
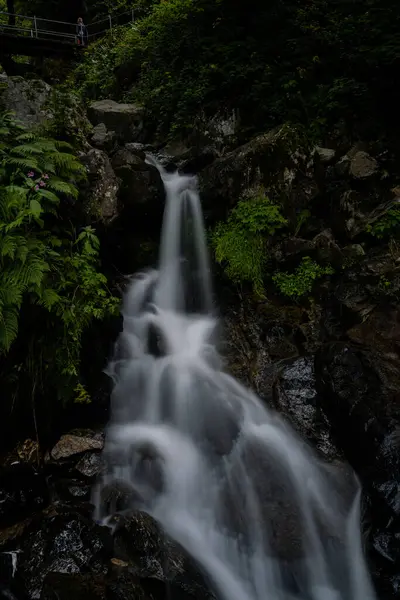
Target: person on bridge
{"points": [[82, 33]]}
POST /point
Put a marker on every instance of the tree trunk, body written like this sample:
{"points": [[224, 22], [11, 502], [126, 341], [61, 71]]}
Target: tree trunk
{"points": [[11, 11]]}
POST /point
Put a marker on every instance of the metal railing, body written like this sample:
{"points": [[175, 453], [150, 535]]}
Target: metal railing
{"points": [[62, 31]]}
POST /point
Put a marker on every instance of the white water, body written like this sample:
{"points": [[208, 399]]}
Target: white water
{"points": [[224, 476]]}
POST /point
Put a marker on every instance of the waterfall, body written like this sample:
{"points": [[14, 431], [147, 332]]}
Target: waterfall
{"points": [[224, 476]]}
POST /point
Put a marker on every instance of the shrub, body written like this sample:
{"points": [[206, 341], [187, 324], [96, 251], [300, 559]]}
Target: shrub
{"points": [[388, 225], [49, 275], [298, 284], [240, 242]]}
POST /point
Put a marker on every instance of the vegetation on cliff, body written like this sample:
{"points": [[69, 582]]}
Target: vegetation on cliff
{"points": [[51, 288], [327, 64]]}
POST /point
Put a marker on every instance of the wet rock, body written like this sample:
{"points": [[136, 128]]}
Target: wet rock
{"points": [[69, 490], [142, 191], [137, 149], [59, 540], [27, 99], [102, 138], [296, 397], [342, 167], [150, 554], [188, 160], [72, 444], [363, 165], [126, 158], [125, 119], [256, 335], [363, 210], [279, 161], [326, 155], [101, 196], [197, 159], [359, 391], [292, 247], [90, 465], [352, 253], [380, 330], [328, 250]]}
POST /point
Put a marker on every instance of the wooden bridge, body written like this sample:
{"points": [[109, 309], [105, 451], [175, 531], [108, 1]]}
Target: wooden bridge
{"points": [[34, 36]]}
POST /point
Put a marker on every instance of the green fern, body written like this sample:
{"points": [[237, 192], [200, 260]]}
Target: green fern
{"points": [[42, 270], [300, 282], [240, 243]]}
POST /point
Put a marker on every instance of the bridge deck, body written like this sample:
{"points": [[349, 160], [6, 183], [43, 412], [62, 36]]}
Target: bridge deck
{"points": [[33, 36]]}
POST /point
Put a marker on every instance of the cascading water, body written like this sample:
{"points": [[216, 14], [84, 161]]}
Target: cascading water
{"points": [[224, 476]]}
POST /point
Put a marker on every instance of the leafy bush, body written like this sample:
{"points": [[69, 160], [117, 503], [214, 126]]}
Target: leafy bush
{"points": [[217, 55], [387, 226], [49, 275], [95, 77], [240, 242], [298, 284]]}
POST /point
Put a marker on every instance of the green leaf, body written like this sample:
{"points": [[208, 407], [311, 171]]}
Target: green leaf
{"points": [[36, 208]]}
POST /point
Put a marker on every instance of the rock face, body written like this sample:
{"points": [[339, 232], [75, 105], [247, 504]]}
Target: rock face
{"points": [[363, 165], [51, 548], [71, 444], [142, 190], [125, 119], [280, 161], [296, 396], [102, 194], [27, 99], [360, 392], [102, 138]]}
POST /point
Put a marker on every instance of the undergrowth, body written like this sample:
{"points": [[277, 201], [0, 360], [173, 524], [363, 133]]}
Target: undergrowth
{"points": [[240, 242]]}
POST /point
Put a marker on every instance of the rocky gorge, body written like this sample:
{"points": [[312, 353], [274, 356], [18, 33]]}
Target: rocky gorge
{"points": [[330, 361]]}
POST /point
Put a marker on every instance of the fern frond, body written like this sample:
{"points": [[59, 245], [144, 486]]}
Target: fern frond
{"points": [[8, 327], [26, 150], [22, 163], [27, 136], [68, 162], [11, 294], [62, 187], [60, 145], [9, 245], [48, 298]]}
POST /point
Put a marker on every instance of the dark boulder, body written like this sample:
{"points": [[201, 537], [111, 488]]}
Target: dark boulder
{"points": [[359, 389], [125, 119], [142, 191], [100, 199], [296, 396], [61, 539], [102, 138], [280, 161]]}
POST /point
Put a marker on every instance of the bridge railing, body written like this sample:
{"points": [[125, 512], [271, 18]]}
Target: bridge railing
{"points": [[100, 27], [36, 27]]}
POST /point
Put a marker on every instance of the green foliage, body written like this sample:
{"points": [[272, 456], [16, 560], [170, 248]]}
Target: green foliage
{"points": [[387, 226], [46, 269], [240, 242], [81, 395], [69, 120], [95, 77], [298, 284], [336, 63]]}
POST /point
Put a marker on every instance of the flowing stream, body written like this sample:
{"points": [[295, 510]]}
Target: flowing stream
{"points": [[224, 476]]}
